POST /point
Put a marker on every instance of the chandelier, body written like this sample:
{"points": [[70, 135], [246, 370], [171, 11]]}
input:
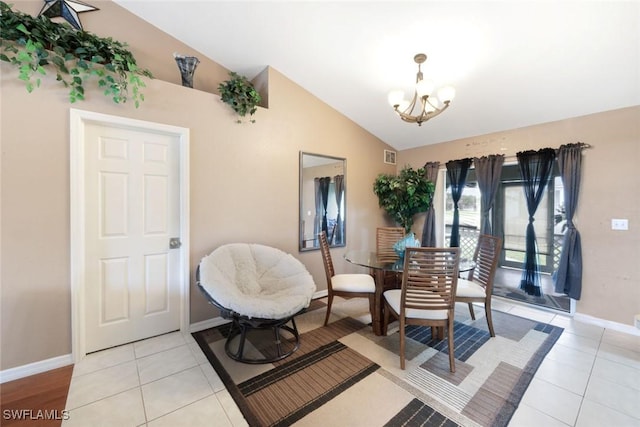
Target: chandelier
{"points": [[425, 105]]}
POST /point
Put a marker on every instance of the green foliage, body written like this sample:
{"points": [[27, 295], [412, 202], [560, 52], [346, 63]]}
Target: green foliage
{"points": [[240, 94], [34, 45], [404, 195]]}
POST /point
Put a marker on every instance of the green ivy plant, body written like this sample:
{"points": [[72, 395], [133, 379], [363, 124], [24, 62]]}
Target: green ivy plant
{"points": [[240, 94], [404, 195], [35, 45]]}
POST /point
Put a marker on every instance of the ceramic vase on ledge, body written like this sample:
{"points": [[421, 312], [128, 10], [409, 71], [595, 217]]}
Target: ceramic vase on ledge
{"points": [[408, 241], [187, 66]]}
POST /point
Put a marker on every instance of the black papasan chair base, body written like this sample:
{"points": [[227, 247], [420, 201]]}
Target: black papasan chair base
{"points": [[243, 326]]}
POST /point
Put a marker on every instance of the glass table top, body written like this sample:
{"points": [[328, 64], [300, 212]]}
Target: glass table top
{"points": [[370, 259]]}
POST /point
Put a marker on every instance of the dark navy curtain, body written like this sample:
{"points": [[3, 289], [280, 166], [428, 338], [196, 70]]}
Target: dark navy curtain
{"points": [[317, 219], [457, 173], [324, 194], [488, 172], [339, 190], [568, 278], [535, 170], [429, 230]]}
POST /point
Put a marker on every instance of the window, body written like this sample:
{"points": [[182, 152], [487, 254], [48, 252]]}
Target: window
{"points": [[510, 217]]}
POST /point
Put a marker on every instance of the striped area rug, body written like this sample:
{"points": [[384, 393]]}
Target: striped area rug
{"points": [[343, 374]]}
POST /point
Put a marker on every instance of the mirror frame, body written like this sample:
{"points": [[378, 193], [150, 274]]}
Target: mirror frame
{"points": [[302, 247]]}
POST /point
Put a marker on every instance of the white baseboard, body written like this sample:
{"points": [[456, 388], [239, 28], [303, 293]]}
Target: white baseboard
{"points": [[607, 324], [35, 368], [206, 324], [320, 294]]}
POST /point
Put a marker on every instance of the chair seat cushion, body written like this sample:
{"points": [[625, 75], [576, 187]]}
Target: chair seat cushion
{"points": [[256, 281], [393, 298], [353, 283], [469, 289]]}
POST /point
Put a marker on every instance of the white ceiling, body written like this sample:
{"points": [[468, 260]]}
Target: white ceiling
{"points": [[513, 63]]}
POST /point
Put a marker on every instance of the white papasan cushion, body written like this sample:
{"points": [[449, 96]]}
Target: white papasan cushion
{"points": [[469, 289], [256, 280]]}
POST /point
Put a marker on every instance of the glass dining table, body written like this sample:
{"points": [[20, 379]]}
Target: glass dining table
{"points": [[379, 266]]}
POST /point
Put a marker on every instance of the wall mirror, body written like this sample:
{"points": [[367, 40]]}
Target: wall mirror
{"points": [[322, 200]]}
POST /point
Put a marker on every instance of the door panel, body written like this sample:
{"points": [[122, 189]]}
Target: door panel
{"points": [[132, 282]]}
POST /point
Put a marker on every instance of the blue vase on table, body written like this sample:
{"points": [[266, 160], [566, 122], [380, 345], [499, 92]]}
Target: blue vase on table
{"points": [[408, 241]]}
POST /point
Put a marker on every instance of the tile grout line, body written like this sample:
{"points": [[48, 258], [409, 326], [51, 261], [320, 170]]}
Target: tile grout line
{"points": [[144, 406], [586, 388]]}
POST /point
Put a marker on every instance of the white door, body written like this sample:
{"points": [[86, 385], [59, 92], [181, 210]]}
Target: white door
{"points": [[132, 211]]}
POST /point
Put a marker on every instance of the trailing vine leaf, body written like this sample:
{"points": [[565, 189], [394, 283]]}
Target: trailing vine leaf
{"points": [[240, 94], [34, 45]]}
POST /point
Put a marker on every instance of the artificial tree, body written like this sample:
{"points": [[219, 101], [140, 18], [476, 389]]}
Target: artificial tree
{"points": [[404, 195]]}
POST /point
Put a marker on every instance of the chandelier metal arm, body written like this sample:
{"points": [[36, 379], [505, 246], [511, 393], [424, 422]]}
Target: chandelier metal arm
{"points": [[424, 115]]}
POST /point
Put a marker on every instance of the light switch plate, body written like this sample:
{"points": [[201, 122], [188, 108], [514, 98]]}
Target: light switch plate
{"points": [[619, 224]]}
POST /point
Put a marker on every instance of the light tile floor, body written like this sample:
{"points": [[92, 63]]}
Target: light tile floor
{"points": [[591, 377]]}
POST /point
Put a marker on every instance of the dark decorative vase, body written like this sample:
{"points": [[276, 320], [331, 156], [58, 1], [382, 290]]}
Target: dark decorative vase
{"points": [[187, 66]]}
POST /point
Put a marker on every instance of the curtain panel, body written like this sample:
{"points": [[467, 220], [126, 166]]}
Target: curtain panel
{"points": [[339, 183], [488, 172], [317, 219], [535, 170], [568, 278], [429, 230], [457, 173], [324, 193]]}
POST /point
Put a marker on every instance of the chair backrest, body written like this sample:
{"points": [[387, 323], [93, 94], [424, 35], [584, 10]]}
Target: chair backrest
{"points": [[430, 278], [386, 237], [326, 258], [486, 257]]}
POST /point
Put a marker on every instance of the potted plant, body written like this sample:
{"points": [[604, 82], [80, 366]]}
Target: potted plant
{"points": [[404, 195], [240, 94], [35, 45]]}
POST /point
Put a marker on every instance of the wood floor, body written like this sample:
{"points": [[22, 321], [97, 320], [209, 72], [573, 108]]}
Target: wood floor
{"points": [[37, 400]]}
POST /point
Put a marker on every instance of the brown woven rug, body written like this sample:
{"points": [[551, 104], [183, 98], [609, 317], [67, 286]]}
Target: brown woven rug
{"points": [[343, 374]]}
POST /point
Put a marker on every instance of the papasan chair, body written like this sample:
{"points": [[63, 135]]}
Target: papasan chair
{"points": [[260, 289]]}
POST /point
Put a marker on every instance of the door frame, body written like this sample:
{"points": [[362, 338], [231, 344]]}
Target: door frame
{"points": [[78, 119]]}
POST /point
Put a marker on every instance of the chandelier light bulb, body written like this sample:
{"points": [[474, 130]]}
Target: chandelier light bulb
{"points": [[395, 97], [424, 87], [446, 94]]}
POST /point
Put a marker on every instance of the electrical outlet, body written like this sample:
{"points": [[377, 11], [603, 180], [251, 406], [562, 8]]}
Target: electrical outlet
{"points": [[619, 224]]}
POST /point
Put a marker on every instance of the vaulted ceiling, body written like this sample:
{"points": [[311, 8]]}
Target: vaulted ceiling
{"points": [[512, 63]]}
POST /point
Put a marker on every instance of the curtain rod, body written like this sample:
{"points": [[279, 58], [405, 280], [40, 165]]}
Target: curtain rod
{"points": [[583, 145]]}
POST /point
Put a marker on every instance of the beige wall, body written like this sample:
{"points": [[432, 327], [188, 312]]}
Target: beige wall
{"points": [[609, 189], [243, 181]]}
